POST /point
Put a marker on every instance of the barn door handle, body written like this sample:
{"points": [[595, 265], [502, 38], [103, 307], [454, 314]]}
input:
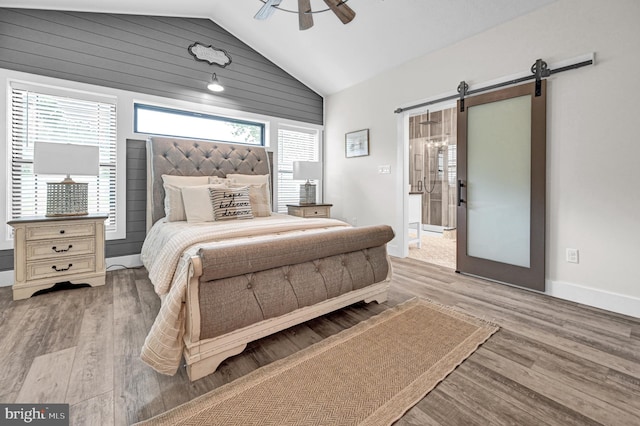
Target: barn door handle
{"points": [[460, 200]]}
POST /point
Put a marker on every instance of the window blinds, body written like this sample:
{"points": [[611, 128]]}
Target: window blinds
{"points": [[47, 117], [293, 145]]}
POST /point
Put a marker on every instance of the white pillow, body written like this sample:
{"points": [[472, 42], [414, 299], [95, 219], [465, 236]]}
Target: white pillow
{"points": [[173, 204], [259, 198], [236, 178], [197, 203], [258, 190], [231, 203], [219, 181]]}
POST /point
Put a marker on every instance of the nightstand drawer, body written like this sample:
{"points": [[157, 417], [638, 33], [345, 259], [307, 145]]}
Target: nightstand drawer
{"points": [[58, 230], [62, 247], [60, 267], [309, 210], [315, 212]]}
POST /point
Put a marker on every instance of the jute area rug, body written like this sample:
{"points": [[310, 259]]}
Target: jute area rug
{"points": [[370, 374]]}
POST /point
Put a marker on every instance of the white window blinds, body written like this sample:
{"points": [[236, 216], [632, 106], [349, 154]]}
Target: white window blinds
{"points": [[294, 144], [45, 117]]}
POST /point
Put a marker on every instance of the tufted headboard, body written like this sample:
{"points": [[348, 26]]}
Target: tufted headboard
{"points": [[190, 157]]}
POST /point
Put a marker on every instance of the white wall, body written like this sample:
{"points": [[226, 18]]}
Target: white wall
{"points": [[593, 161]]}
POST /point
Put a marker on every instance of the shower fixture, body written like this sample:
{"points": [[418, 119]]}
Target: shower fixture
{"points": [[428, 122]]}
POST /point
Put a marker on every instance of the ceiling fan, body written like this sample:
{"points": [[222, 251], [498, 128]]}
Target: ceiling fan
{"points": [[305, 14]]}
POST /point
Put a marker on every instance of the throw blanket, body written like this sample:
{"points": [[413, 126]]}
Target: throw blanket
{"points": [[166, 254]]}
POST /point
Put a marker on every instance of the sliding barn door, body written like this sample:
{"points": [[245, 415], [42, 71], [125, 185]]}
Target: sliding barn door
{"points": [[501, 186]]}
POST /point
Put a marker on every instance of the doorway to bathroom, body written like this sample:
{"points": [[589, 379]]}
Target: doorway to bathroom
{"points": [[432, 186]]}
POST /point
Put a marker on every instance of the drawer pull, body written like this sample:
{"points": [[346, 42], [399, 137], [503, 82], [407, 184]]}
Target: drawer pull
{"points": [[62, 231], [62, 269], [61, 250]]}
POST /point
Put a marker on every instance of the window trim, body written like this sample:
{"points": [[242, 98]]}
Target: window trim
{"points": [[145, 106], [58, 87], [314, 131]]}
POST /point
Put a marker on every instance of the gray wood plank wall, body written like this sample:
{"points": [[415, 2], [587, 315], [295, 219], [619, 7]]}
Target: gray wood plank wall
{"points": [[147, 54], [136, 202]]}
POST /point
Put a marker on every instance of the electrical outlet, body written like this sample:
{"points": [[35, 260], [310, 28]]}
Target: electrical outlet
{"points": [[572, 255], [354, 221]]}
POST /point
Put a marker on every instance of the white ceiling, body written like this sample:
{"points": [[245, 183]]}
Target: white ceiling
{"points": [[330, 56]]}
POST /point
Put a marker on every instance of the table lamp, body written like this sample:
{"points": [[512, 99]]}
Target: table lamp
{"points": [[309, 170], [66, 198]]}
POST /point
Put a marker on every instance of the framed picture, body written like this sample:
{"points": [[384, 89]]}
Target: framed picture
{"points": [[357, 143]]}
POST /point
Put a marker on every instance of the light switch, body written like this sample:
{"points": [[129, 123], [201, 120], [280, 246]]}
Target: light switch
{"points": [[384, 170]]}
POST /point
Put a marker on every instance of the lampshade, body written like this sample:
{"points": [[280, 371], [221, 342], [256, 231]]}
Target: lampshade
{"points": [[66, 198], [307, 170], [215, 85], [65, 159]]}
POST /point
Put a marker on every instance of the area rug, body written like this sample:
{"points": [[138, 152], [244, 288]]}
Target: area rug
{"points": [[370, 374]]}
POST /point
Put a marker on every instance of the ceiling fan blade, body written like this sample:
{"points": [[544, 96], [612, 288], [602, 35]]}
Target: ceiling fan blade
{"points": [[267, 9], [305, 18], [342, 11]]}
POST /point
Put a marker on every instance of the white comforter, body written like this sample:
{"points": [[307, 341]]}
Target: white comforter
{"points": [[166, 254]]}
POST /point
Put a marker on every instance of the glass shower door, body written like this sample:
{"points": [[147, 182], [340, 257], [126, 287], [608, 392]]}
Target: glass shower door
{"points": [[432, 169]]}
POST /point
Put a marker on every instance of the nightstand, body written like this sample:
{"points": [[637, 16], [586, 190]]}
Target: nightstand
{"points": [[309, 210], [51, 250]]}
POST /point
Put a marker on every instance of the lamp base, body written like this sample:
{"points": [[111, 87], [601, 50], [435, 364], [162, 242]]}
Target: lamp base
{"points": [[67, 199], [307, 193]]}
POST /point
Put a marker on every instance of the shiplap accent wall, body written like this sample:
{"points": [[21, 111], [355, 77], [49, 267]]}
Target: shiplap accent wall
{"points": [[136, 202], [147, 54]]}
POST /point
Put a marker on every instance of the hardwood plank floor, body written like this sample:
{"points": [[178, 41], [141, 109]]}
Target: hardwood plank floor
{"points": [[552, 363]]}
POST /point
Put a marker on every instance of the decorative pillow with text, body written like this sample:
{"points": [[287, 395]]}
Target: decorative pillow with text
{"points": [[231, 203]]}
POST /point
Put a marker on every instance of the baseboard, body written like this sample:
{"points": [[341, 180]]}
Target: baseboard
{"points": [[6, 278], [122, 262], [614, 302], [113, 263], [394, 250]]}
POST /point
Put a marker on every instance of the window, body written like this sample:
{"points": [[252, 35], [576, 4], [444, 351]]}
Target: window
{"points": [[294, 144], [51, 115], [185, 124]]}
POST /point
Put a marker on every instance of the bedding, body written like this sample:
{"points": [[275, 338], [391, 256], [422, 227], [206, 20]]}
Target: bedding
{"points": [[166, 253]]}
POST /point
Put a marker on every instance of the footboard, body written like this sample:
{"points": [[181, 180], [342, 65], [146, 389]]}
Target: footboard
{"points": [[238, 294]]}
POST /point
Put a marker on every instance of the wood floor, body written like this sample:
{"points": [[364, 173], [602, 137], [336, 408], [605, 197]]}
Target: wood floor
{"points": [[553, 362]]}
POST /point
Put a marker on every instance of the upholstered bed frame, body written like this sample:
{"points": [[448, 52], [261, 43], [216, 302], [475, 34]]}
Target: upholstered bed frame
{"points": [[188, 157], [359, 253]]}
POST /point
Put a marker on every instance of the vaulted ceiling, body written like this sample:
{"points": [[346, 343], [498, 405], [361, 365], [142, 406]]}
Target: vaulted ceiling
{"points": [[330, 56]]}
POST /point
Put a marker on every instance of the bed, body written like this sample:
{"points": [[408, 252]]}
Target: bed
{"points": [[227, 277]]}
